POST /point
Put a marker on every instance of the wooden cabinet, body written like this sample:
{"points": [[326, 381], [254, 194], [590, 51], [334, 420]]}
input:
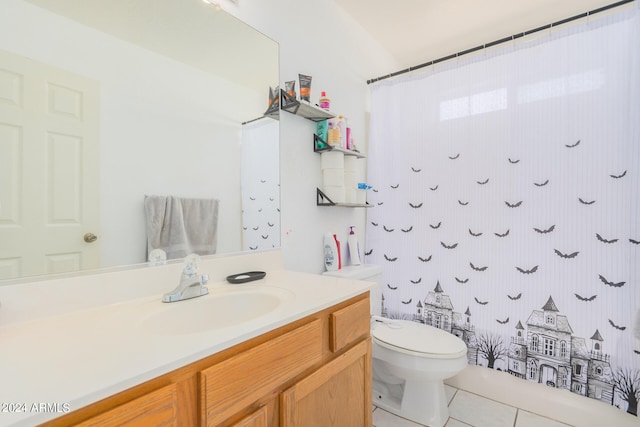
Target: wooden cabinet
{"points": [[348, 324], [315, 371], [233, 384], [258, 418], [337, 394], [157, 408]]}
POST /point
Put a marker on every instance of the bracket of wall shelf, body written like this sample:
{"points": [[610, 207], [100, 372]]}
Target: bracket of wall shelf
{"points": [[322, 199]]}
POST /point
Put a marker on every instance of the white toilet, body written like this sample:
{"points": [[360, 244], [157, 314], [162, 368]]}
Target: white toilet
{"points": [[410, 360]]}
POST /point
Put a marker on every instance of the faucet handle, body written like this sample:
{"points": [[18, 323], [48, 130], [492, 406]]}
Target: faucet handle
{"points": [[157, 257], [190, 264]]}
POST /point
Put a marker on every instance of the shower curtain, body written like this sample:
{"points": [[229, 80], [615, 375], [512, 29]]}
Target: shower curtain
{"points": [[507, 208], [260, 185]]}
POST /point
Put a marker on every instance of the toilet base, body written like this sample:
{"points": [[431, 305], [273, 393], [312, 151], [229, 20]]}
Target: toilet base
{"points": [[424, 402], [387, 397]]}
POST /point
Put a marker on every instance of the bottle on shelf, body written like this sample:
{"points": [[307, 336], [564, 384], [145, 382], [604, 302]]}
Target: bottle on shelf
{"points": [[333, 133], [324, 102], [341, 124]]}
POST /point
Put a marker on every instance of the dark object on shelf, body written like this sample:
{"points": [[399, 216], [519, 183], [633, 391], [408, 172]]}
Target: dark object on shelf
{"points": [[249, 276]]}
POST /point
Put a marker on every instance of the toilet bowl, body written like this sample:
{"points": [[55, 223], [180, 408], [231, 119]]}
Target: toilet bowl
{"points": [[410, 360], [420, 357]]}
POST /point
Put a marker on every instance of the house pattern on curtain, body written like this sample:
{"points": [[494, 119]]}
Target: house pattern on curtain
{"points": [[545, 351]]}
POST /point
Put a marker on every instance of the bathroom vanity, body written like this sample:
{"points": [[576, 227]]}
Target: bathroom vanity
{"points": [[306, 361], [314, 371]]}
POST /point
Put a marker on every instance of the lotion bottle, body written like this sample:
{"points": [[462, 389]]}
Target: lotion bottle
{"points": [[354, 248], [325, 102], [330, 252], [333, 134], [342, 131]]}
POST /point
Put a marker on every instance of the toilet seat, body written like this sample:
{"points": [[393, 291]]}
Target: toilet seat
{"points": [[418, 340]]}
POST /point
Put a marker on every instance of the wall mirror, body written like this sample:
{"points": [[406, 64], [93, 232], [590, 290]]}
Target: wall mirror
{"points": [[104, 102]]}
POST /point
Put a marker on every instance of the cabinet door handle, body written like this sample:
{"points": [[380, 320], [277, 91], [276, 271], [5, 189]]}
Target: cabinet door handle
{"points": [[90, 237]]}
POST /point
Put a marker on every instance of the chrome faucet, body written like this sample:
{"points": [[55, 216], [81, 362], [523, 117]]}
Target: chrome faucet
{"points": [[191, 284]]}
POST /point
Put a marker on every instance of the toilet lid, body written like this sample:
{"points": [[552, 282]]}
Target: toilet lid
{"points": [[408, 336]]}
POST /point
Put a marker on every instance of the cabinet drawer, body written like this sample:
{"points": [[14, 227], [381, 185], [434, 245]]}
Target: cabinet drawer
{"points": [[235, 383], [349, 324], [157, 408]]}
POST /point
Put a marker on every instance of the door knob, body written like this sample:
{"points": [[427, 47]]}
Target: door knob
{"points": [[90, 237]]}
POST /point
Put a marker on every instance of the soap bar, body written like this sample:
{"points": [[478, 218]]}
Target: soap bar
{"points": [[249, 276]]}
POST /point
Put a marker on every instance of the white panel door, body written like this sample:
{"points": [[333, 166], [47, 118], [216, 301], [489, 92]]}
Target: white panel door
{"points": [[49, 177]]}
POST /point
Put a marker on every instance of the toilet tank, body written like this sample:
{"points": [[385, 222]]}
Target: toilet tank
{"points": [[368, 272]]}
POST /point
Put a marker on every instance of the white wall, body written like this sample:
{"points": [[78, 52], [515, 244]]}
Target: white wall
{"points": [[316, 38]]}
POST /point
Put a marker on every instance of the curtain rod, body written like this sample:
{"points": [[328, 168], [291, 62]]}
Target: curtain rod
{"points": [[503, 40]]}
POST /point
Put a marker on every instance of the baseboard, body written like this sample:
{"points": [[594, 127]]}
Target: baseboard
{"points": [[559, 405]]}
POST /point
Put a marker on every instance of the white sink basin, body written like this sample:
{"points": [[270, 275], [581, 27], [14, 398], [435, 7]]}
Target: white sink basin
{"points": [[219, 309]]}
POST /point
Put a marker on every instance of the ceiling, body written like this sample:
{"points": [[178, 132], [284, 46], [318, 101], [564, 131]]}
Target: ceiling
{"points": [[418, 31]]}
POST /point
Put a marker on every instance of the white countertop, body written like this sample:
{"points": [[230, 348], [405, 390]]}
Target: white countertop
{"points": [[69, 360]]}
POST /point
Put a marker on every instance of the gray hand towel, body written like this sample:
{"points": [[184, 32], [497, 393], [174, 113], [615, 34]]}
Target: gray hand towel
{"points": [[181, 226]]}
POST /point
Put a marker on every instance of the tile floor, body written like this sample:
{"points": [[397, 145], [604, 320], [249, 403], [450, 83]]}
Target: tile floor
{"points": [[470, 410]]}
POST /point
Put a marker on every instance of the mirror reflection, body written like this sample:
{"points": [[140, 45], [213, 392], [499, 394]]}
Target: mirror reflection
{"points": [[104, 103]]}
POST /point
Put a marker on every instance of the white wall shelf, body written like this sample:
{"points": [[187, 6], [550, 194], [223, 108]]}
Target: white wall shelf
{"points": [[323, 200], [320, 146], [315, 114], [303, 108]]}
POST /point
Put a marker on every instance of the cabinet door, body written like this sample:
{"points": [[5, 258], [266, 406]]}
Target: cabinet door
{"points": [[158, 408], [338, 394], [256, 419]]}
